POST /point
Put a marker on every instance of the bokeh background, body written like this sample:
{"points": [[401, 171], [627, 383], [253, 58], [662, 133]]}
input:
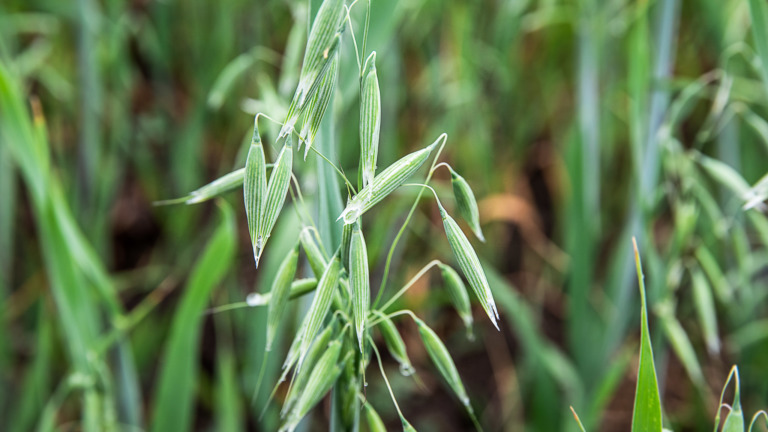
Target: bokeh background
{"points": [[579, 124]]}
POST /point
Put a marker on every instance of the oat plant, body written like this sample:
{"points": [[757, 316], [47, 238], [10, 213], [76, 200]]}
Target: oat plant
{"points": [[334, 344]]}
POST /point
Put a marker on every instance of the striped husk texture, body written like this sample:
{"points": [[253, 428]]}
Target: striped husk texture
{"points": [[255, 191], [314, 112], [323, 38], [359, 281], [470, 265], [370, 120], [346, 240], [318, 347], [320, 380], [294, 350], [279, 181], [320, 304], [384, 183]]}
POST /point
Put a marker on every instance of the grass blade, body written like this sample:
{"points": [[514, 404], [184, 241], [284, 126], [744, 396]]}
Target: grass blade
{"points": [[705, 310], [646, 416], [758, 11], [734, 422], [178, 370], [681, 344]]}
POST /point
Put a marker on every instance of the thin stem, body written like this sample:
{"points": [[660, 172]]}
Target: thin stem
{"points": [[227, 307], [384, 375], [349, 185], [422, 185], [319, 244], [383, 285], [256, 120], [756, 417], [345, 316], [410, 283], [302, 203], [365, 30], [312, 148], [390, 316], [352, 30], [445, 164]]}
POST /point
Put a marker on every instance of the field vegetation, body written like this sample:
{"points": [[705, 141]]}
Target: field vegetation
{"points": [[377, 215]]}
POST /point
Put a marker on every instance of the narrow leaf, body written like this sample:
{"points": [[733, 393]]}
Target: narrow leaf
{"points": [[646, 416], [758, 11], [178, 369], [726, 176], [705, 310], [680, 343], [734, 422]]}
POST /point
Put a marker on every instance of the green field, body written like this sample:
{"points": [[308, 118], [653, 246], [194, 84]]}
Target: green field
{"points": [[380, 215]]}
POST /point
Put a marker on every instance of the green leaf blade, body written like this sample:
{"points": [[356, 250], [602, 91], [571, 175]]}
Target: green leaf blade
{"points": [[646, 416]]}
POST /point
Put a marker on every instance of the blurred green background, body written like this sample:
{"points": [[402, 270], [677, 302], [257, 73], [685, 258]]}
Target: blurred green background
{"points": [[579, 124]]}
